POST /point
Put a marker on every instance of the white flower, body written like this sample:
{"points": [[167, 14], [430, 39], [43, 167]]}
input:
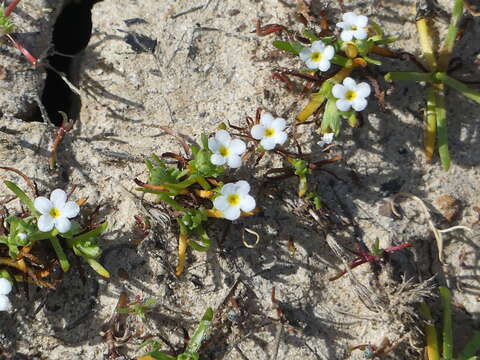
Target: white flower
{"points": [[226, 150], [233, 199], [353, 26], [5, 288], [22, 236], [270, 131], [318, 56], [5, 304], [327, 139], [351, 94], [56, 211]]}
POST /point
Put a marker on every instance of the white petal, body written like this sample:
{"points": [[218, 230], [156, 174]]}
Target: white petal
{"points": [[266, 119], [346, 35], [213, 144], [360, 34], [45, 223], [324, 65], [363, 89], [349, 18], [305, 54], [221, 203], [223, 137], [243, 187], [329, 52], [43, 205], [280, 137], [58, 197], [237, 146], [258, 131], [339, 91], [5, 286], [70, 209], [217, 159], [279, 124], [268, 143], [247, 203], [359, 104], [350, 84], [361, 21], [311, 64], [232, 213], [343, 105], [5, 304], [230, 188], [234, 161], [62, 224], [318, 46], [342, 25], [328, 138]]}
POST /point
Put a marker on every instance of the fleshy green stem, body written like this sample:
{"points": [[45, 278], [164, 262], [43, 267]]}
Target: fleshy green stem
{"points": [[447, 48], [203, 183], [459, 86], [432, 348], [441, 116], [447, 335], [426, 43], [409, 76], [430, 133], [64, 264]]}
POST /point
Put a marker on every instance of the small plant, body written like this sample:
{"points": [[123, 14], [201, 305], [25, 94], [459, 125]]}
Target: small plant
{"points": [[433, 350], [191, 352], [46, 220], [194, 189], [375, 256], [7, 27], [342, 96], [139, 307], [436, 78]]}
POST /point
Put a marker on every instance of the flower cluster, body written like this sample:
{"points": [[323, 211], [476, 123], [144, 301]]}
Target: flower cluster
{"points": [[234, 198], [319, 56], [5, 288]]}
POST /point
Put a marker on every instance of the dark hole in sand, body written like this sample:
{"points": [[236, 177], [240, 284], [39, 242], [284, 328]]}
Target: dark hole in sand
{"points": [[71, 35]]}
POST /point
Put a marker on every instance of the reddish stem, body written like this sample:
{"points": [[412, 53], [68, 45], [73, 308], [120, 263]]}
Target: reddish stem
{"points": [[10, 7], [364, 257], [398, 247], [24, 51]]}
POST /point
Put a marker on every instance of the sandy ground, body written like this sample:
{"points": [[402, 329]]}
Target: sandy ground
{"points": [[208, 67]]}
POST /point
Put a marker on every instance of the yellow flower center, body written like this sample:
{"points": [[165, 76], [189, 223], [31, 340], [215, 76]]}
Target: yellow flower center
{"points": [[350, 95], [233, 200], [354, 27], [269, 132], [316, 56], [54, 213], [224, 151]]}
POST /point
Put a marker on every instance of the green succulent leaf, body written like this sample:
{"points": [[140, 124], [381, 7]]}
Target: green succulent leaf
{"points": [[6, 24], [331, 118], [201, 165], [291, 47], [22, 196], [18, 226], [310, 35]]}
